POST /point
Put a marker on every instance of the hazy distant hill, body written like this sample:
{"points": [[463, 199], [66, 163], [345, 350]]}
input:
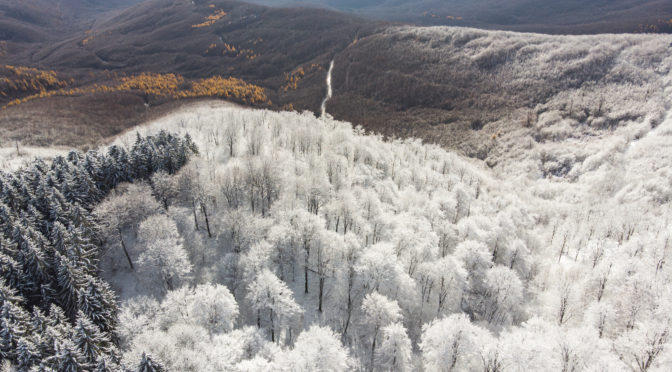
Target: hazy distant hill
{"points": [[39, 20], [567, 16]]}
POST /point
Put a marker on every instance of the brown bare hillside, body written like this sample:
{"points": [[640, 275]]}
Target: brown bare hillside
{"points": [[204, 43]]}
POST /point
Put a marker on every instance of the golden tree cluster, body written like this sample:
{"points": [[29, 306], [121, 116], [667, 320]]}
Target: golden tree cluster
{"points": [[150, 83], [27, 79], [661, 26], [163, 85], [211, 47], [232, 51], [88, 38], [292, 79], [231, 88], [211, 19], [229, 48]]}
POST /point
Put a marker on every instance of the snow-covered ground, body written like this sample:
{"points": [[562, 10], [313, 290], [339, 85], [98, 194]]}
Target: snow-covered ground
{"points": [[11, 158]]}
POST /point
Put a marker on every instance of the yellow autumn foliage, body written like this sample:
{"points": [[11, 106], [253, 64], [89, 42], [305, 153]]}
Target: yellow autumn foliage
{"points": [[231, 87], [292, 79], [150, 83], [160, 85], [211, 19], [28, 79]]}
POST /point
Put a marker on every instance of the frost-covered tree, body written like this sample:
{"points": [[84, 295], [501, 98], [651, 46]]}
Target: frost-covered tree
{"points": [[504, 294], [126, 210], [213, 307], [450, 344], [163, 263], [642, 347], [395, 349], [378, 312], [165, 188], [316, 349], [272, 302]]}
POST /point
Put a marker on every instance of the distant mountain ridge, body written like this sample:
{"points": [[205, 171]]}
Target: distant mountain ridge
{"points": [[558, 17], [40, 20]]}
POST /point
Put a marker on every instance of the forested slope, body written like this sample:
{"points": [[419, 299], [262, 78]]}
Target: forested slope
{"points": [[55, 311], [294, 243]]}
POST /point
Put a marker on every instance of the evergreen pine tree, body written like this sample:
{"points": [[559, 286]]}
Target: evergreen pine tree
{"points": [[14, 323], [149, 365], [97, 301], [68, 277], [43, 342], [57, 207], [82, 219], [11, 272], [59, 237], [86, 190], [30, 257], [6, 220], [58, 322], [190, 145], [26, 354], [121, 171], [104, 365], [74, 157], [93, 164], [90, 341], [47, 294], [67, 358]]}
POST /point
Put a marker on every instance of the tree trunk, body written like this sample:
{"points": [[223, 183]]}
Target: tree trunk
{"points": [[169, 284], [373, 349], [123, 246], [349, 308], [252, 198], [207, 221], [272, 328], [321, 292], [306, 247]]}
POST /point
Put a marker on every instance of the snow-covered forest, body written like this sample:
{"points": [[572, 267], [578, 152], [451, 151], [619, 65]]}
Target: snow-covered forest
{"points": [[55, 311], [302, 244]]}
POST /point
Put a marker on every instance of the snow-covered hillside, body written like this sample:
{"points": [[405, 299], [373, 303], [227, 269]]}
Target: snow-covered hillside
{"points": [[505, 97], [303, 244]]}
